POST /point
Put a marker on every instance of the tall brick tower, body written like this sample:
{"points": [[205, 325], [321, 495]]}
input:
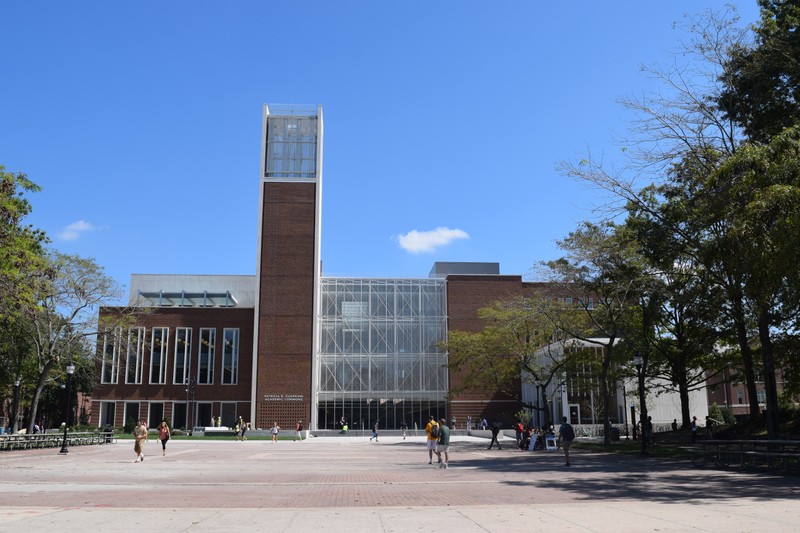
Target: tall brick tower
{"points": [[288, 267]]}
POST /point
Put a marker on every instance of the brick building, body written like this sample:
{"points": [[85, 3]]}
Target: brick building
{"points": [[288, 344]]}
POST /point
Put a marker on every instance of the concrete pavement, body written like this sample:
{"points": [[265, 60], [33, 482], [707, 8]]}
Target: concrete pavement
{"points": [[352, 484]]}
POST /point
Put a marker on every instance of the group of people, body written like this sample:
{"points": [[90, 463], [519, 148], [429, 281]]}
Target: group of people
{"points": [[140, 437], [438, 441], [241, 429]]}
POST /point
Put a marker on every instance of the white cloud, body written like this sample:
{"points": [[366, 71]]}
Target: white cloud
{"points": [[75, 230], [428, 241]]}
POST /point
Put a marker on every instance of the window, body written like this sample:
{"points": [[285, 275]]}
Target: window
{"points": [[205, 358], [158, 356], [109, 373], [135, 355], [590, 304], [762, 396], [183, 355], [230, 356]]}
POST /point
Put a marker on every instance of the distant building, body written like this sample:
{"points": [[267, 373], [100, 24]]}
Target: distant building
{"points": [[288, 344]]}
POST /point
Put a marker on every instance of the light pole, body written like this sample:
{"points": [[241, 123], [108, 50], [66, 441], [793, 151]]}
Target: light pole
{"points": [[638, 362], [70, 371], [15, 421], [186, 383], [538, 412]]}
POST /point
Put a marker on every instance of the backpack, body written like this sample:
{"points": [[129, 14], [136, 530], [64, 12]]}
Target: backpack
{"points": [[567, 432], [435, 431]]}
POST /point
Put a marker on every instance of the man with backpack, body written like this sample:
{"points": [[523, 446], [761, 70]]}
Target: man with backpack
{"points": [[432, 429], [566, 434]]}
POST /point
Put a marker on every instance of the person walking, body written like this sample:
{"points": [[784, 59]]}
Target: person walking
{"points": [[694, 429], [566, 433], [245, 427], [443, 445], [163, 436], [274, 432], [298, 431], [709, 427], [374, 432], [140, 436], [432, 430], [495, 431], [404, 428], [240, 429]]}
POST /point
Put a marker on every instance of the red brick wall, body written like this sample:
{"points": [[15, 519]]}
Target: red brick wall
{"points": [[466, 294], [286, 304], [172, 318]]}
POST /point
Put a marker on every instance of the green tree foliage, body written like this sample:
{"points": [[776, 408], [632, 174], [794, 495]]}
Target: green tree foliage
{"points": [[606, 264], [762, 92], [518, 342], [765, 181], [63, 326], [23, 268]]}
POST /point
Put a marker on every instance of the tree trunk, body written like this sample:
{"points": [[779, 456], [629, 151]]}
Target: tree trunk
{"points": [[683, 392], [605, 393], [747, 355], [770, 384], [37, 393]]}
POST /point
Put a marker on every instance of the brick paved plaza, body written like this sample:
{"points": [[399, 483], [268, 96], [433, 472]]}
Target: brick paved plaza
{"points": [[351, 484]]}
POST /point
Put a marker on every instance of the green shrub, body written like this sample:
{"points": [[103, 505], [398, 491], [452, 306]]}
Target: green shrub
{"points": [[129, 425]]}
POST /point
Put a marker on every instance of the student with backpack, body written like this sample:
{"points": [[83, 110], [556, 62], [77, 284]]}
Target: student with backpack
{"points": [[566, 434], [432, 429]]}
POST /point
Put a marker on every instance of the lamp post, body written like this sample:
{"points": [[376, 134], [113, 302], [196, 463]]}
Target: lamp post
{"points": [[538, 385], [15, 420], [70, 371], [638, 361], [186, 384]]}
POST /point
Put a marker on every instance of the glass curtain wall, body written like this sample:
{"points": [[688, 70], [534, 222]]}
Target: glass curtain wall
{"points": [[379, 355]]}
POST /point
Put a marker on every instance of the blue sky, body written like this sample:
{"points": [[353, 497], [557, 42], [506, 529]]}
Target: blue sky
{"points": [[444, 123]]}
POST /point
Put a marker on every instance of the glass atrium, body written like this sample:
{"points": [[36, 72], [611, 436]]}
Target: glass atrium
{"points": [[379, 358]]}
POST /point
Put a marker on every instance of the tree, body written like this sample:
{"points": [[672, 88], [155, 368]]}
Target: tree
{"points": [[65, 322], [766, 179], [518, 342], [22, 265], [762, 81], [604, 263]]}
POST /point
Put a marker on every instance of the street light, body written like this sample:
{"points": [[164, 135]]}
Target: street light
{"points": [[538, 384], [70, 371], [15, 421], [638, 361]]}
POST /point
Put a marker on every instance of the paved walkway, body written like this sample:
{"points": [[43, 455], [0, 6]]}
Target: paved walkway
{"points": [[351, 484]]}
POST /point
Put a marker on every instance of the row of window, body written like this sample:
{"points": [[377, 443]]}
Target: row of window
{"points": [[130, 352]]}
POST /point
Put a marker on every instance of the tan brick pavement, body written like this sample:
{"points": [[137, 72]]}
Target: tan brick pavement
{"points": [[349, 483]]}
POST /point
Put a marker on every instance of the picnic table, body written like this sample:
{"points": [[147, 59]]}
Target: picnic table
{"points": [[748, 454]]}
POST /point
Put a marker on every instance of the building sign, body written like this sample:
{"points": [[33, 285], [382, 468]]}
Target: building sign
{"points": [[283, 398]]}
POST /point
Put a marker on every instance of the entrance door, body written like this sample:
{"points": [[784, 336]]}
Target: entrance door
{"points": [[228, 414], [107, 412], [131, 412], [203, 417], [179, 413], [156, 414]]}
